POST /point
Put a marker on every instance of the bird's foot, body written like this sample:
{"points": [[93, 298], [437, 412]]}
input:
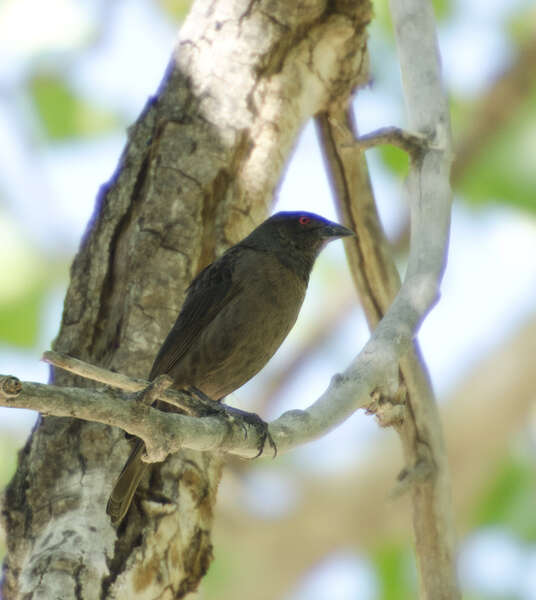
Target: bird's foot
{"points": [[235, 415], [261, 427]]}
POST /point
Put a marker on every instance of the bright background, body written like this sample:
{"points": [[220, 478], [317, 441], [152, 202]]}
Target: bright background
{"points": [[68, 90]]}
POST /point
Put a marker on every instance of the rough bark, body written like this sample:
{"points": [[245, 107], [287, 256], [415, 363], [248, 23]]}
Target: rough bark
{"points": [[199, 171]]}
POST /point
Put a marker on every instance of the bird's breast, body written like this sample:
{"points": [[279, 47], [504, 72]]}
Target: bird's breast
{"points": [[250, 328]]}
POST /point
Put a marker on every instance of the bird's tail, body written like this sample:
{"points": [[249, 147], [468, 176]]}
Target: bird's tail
{"points": [[126, 484]]}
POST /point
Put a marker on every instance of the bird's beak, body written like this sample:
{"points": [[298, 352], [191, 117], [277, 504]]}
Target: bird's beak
{"points": [[334, 230]]}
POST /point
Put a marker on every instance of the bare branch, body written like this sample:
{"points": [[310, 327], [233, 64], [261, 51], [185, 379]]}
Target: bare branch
{"points": [[155, 390], [89, 371], [164, 432], [378, 281], [413, 144], [118, 380], [374, 272]]}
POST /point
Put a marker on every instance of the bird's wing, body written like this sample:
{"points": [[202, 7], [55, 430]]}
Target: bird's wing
{"points": [[208, 293]]}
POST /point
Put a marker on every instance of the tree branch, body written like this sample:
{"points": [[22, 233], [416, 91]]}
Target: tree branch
{"points": [[413, 144], [162, 432], [165, 433], [475, 416], [377, 280], [118, 380]]}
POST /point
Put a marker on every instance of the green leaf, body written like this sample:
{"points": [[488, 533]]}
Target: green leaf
{"points": [[382, 14], [63, 113], [26, 275], [175, 9], [222, 569], [20, 319], [504, 170], [520, 24], [508, 500], [8, 456], [396, 572], [395, 159]]}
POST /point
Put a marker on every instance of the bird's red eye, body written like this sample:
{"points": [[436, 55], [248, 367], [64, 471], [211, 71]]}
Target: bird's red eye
{"points": [[304, 220]]}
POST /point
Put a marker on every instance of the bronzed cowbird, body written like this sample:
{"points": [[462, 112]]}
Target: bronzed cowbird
{"points": [[236, 314]]}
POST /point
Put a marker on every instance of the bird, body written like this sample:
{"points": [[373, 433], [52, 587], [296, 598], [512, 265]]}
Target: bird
{"points": [[237, 312]]}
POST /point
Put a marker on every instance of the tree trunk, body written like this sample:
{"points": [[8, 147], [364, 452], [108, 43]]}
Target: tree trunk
{"points": [[198, 172]]}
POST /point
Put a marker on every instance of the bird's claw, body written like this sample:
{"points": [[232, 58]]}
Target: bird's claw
{"points": [[211, 407], [233, 415], [261, 427]]}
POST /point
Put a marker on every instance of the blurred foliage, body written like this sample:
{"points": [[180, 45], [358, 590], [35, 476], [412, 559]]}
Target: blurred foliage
{"points": [[460, 117], [222, 569], [520, 26], [26, 278], [503, 172], [63, 113], [395, 567], [20, 318], [508, 500], [175, 9], [442, 9], [395, 159], [8, 457], [477, 596], [8, 463]]}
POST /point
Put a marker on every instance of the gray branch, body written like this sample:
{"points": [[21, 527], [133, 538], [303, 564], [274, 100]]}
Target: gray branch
{"points": [[426, 473], [429, 196], [163, 432]]}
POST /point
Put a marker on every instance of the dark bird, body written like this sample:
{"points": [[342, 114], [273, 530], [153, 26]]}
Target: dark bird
{"points": [[237, 312]]}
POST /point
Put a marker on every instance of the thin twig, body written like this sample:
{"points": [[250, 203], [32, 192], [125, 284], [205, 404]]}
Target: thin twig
{"points": [[118, 380], [89, 371], [412, 143]]}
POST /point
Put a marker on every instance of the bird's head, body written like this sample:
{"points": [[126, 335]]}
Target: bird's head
{"points": [[296, 237], [303, 231]]}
